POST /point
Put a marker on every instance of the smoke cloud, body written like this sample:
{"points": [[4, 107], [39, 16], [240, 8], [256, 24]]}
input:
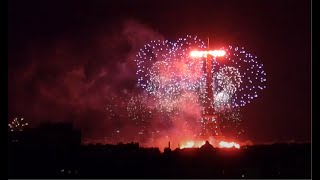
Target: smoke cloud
{"points": [[72, 80]]}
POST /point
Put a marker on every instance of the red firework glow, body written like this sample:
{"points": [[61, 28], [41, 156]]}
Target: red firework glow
{"points": [[198, 144], [192, 92], [224, 144]]}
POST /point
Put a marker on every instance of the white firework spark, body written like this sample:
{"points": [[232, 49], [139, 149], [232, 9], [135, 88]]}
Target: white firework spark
{"points": [[18, 124]]}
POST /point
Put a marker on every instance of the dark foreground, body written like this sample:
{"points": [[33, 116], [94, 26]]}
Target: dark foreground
{"points": [[273, 161], [58, 157]]}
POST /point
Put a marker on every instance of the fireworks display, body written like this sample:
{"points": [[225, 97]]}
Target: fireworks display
{"points": [[244, 76], [172, 72], [167, 73], [174, 79], [18, 124], [167, 70]]}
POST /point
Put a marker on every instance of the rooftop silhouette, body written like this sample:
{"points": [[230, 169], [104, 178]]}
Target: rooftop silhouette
{"points": [[43, 153]]}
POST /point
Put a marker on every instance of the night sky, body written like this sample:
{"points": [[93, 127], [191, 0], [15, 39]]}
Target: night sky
{"points": [[66, 57]]}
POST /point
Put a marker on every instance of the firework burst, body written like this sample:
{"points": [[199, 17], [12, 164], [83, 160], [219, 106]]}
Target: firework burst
{"points": [[18, 124], [240, 76], [174, 84], [170, 76]]}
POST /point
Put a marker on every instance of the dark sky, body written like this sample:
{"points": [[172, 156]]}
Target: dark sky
{"points": [[50, 42]]}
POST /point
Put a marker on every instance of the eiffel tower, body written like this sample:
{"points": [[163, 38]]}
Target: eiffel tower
{"points": [[210, 128]]}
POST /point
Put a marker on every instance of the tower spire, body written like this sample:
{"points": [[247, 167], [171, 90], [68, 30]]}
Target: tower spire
{"points": [[211, 125]]}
